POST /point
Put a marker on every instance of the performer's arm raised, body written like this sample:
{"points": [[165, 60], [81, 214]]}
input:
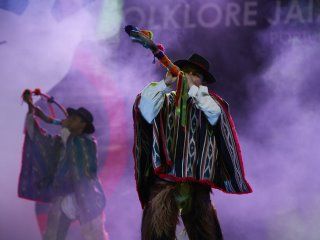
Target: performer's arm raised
{"points": [[32, 127], [152, 97]]}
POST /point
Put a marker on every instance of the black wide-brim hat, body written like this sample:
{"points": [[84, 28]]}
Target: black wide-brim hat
{"points": [[86, 116], [199, 63]]}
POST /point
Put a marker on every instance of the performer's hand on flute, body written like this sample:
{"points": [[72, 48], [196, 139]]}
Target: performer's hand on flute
{"points": [[169, 79], [27, 98]]}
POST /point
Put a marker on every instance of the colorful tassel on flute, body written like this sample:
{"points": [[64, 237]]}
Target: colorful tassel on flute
{"points": [[140, 36]]}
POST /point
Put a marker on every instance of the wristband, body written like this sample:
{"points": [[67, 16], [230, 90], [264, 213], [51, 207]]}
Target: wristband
{"points": [[56, 122]]}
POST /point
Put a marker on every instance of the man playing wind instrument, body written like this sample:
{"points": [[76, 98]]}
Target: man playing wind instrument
{"points": [[183, 151]]}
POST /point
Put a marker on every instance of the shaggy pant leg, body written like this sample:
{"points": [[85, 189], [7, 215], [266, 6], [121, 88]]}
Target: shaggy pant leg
{"points": [[201, 220], [160, 215]]}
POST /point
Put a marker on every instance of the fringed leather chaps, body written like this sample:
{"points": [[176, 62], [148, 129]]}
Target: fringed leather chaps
{"points": [[161, 213]]}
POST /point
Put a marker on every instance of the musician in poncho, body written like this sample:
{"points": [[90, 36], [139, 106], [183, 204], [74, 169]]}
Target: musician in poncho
{"points": [[62, 170], [178, 161]]}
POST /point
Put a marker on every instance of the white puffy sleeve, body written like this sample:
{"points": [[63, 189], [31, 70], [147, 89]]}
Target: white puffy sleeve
{"points": [[152, 98], [205, 103]]}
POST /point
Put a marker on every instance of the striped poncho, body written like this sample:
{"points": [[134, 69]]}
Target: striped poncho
{"points": [[51, 169], [197, 152]]}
